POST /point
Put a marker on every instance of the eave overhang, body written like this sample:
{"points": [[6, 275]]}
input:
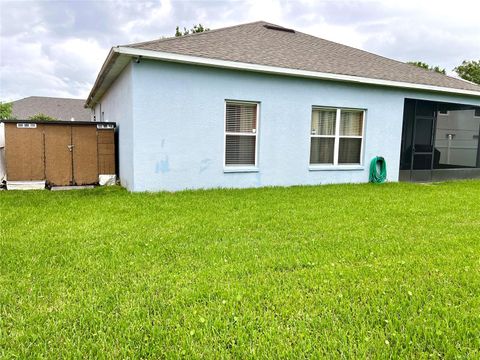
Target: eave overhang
{"points": [[120, 56]]}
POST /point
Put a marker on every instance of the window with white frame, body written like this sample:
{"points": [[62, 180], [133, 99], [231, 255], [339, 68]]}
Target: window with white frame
{"points": [[336, 136], [476, 112], [241, 121]]}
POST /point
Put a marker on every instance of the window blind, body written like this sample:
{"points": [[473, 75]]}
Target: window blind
{"points": [[350, 143], [240, 134], [323, 122], [322, 142], [241, 118], [349, 151], [336, 136], [351, 123], [321, 150]]}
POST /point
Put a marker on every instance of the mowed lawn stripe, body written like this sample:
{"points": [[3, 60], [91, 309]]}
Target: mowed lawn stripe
{"points": [[382, 271]]}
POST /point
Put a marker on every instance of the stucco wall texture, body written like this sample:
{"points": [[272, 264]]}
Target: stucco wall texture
{"points": [[171, 126], [117, 104]]}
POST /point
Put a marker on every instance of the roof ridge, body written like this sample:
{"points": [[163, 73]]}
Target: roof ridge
{"points": [[49, 97], [390, 59], [195, 34], [351, 47], [374, 54]]}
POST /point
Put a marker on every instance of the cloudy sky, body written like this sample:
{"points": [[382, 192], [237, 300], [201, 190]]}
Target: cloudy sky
{"points": [[56, 48]]}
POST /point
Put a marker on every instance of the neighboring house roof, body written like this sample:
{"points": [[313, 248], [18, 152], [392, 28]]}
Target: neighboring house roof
{"points": [[58, 108], [265, 47]]}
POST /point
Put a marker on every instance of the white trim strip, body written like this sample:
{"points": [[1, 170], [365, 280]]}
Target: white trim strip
{"points": [[240, 169], [345, 167], [159, 55]]}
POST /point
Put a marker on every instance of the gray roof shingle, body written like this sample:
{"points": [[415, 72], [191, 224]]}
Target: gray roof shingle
{"points": [[255, 43], [58, 108]]}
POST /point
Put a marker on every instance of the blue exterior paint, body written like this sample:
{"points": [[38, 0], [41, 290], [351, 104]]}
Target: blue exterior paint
{"points": [[117, 105], [176, 127]]}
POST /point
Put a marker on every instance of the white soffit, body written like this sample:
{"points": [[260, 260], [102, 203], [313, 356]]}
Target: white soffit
{"points": [[113, 66]]}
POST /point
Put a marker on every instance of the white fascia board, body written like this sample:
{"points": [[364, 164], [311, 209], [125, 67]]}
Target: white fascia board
{"points": [[165, 56], [99, 80], [111, 68]]}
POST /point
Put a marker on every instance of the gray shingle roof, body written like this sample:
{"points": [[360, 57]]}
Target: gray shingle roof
{"points": [[58, 108], [256, 44]]}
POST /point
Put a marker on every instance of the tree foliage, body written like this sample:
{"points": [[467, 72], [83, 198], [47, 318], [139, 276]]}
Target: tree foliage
{"points": [[469, 70], [42, 117], [196, 29], [5, 111], [423, 65]]}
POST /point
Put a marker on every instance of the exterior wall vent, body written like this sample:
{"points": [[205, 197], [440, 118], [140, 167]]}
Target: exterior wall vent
{"points": [[26, 126], [105, 126], [279, 28]]}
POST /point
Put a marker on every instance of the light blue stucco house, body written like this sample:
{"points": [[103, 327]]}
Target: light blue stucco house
{"points": [[261, 105]]}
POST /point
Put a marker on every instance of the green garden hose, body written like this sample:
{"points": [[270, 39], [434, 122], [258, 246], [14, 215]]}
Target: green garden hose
{"points": [[378, 170]]}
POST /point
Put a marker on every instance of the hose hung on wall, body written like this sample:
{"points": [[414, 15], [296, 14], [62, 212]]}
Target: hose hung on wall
{"points": [[378, 170]]}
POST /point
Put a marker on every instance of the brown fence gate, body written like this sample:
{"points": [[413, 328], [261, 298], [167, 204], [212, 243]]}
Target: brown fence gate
{"points": [[61, 153]]}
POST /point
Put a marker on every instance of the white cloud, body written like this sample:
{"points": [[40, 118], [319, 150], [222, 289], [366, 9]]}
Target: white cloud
{"points": [[153, 14], [341, 34], [78, 57], [268, 10], [67, 68], [57, 48]]}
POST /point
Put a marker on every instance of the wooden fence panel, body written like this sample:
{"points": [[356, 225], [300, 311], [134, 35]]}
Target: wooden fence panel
{"points": [[85, 161], [106, 152], [24, 154], [58, 156]]}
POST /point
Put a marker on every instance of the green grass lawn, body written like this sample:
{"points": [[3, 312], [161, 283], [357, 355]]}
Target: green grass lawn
{"points": [[348, 271]]}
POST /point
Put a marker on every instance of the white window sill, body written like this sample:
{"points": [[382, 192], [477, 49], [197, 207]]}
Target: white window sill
{"points": [[240, 169], [335, 167]]}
